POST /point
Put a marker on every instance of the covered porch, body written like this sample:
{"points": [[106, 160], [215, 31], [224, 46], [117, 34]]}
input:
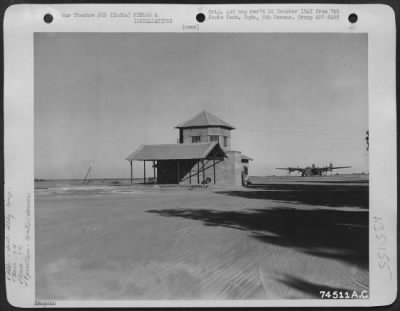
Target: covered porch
{"points": [[178, 163]]}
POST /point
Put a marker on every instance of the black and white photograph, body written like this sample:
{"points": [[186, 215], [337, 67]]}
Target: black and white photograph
{"points": [[201, 166]]}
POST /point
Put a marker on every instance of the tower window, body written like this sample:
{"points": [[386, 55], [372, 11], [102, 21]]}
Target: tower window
{"points": [[214, 138], [225, 141], [195, 139]]}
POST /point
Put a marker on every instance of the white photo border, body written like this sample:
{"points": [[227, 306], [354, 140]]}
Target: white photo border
{"points": [[22, 21]]}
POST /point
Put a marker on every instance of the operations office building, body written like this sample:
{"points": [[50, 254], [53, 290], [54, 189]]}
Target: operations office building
{"points": [[202, 155]]}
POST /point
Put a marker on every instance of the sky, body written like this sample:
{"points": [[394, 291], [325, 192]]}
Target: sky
{"points": [[294, 99]]}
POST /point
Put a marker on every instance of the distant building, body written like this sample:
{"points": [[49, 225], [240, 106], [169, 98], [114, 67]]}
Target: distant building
{"points": [[202, 155]]}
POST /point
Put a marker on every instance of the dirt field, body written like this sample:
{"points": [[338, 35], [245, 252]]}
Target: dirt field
{"points": [[271, 240]]}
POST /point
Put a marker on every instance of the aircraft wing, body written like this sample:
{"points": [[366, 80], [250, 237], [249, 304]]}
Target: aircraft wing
{"points": [[290, 169], [336, 167]]}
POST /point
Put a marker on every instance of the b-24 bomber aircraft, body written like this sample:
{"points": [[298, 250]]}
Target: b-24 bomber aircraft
{"points": [[312, 170]]}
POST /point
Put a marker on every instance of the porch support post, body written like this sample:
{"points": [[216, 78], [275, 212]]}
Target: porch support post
{"points": [[214, 169], [130, 162], [144, 172], [177, 171], [198, 171], [154, 171], [204, 173]]}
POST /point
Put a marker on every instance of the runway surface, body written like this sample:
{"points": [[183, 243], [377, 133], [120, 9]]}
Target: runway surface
{"points": [[275, 239]]}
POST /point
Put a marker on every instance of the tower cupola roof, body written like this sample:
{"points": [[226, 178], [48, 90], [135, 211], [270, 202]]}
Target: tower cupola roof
{"points": [[205, 119]]}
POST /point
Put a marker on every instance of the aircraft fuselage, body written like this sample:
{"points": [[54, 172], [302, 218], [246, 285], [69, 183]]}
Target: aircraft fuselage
{"points": [[310, 171]]}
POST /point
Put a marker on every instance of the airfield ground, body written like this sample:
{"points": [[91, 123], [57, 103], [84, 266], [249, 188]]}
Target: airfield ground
{"points": [[280, 238]]}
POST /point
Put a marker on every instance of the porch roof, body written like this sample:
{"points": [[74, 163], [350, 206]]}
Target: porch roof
{"points": [[176, 152]]}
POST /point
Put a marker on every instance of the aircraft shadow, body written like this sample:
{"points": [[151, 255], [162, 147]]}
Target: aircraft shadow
{"points": [[332, 195], [337, 234]]}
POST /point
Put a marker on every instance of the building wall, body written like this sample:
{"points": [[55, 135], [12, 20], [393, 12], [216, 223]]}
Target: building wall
{"points": [[204, 134], [188, 133], [221, 132], [238, 167]]}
